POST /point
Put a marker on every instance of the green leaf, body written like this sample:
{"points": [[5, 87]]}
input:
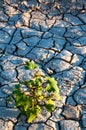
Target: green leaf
{"points": [[9, 99], [17, 86], [16, 90], [52, 85], [50, 105], [57, 96], [38, 82], [30, 66], [31, 117], [28, 104], [51, 102], [49, 88], [33, 113], [41, 98], [27, 82], [39, 92], [19, 100]]}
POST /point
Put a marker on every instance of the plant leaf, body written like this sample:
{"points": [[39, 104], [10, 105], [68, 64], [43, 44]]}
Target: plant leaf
{"points": [[28, 104], [33, 113], [57, 96], [52, 85], [50, 105], [30, 66]]}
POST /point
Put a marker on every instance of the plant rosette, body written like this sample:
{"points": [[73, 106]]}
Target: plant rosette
{"points": [[32, 95]]}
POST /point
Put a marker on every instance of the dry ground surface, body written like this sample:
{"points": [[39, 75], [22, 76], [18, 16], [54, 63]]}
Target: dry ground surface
{"points": [[53, 34]]}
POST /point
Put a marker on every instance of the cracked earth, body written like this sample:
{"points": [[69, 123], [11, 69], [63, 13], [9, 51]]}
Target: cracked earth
{"points": [[52, 33]]}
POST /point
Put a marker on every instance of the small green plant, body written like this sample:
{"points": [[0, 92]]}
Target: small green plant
{"points": [[31, 95]]}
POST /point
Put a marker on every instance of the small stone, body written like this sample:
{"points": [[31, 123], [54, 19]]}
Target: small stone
{"points": [[71, 112], [80, 96], [84, 120], [69, 125]]}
